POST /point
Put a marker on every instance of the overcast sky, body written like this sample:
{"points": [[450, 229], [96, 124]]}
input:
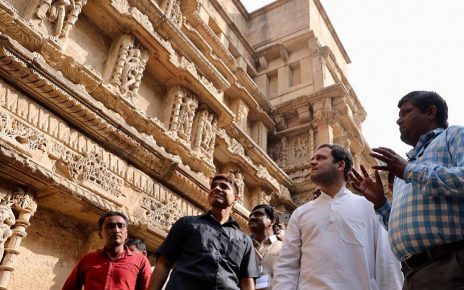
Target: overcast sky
{"points": [[396, 47]]}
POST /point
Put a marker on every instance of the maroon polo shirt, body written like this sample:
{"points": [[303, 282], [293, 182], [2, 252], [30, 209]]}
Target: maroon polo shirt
{"points": [[97, 271]]}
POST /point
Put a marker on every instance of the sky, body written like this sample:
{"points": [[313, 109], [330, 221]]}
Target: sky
{"points": [[396, 47]]}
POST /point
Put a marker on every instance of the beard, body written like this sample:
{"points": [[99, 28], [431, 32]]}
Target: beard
{"points": [[324, 177]]}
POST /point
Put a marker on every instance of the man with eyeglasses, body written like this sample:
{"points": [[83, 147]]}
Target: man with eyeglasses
{"points": [[113, 267], [209, 251]]}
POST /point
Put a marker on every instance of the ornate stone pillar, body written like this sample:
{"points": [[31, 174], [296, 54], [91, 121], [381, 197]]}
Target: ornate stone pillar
{"points": [[23, 204]]}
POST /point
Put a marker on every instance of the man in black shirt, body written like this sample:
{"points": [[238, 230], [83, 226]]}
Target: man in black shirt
{"points": [[209, 251]]}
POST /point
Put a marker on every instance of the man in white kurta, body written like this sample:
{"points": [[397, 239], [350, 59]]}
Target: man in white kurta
{"points": [[333, 241]]}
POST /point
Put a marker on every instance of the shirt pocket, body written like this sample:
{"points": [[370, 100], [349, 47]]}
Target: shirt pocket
{"points": [[352, 231], [236, 250], [199, 238]]}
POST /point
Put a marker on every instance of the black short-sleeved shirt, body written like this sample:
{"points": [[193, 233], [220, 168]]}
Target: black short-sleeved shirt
{"points": [[208, 255]]}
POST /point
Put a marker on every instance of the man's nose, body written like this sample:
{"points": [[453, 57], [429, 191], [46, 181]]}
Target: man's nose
{"points": [[399, 121]]}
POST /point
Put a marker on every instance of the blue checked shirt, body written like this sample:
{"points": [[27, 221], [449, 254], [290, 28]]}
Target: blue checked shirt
{"points": [[428, 204]]}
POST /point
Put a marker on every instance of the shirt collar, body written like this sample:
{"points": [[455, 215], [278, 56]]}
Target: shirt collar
{"points": [[127, 252], [342, 192], [424, 141], [231, 222]]}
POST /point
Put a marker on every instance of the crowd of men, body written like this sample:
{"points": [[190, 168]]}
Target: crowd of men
{"points": [[340, 240]]}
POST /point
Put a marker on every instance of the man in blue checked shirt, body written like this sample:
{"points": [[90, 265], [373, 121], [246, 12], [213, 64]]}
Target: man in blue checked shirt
{"points": [[426, 219]]}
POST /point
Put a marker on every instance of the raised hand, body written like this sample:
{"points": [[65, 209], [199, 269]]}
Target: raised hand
{"points": [[371, 188], [394, 163]]}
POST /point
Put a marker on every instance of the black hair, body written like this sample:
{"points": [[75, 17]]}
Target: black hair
{"points": [[423, 100], [271, 214], [139, 244], [102, 218], [340, 153]]}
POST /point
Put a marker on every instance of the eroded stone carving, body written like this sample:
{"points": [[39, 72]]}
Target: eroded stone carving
{"points": [[323, 111], [206, 134], [300, 148], [236, 171], [164, 214], [183, 112], [128, 67], [93, 169], [23, 203], [63, 13], [173, 12], [7, 220], [22, 134]]}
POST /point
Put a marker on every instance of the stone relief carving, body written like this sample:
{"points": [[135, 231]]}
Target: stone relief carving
{"points": [[93, 169], [263, 173], [7, 220], [173, 12], [300, 148], [236, 171], [164, 214], [276, 152], [323, 111], [206, 134], [183, 112], [129, 67], [22, 203], [63, 13]]}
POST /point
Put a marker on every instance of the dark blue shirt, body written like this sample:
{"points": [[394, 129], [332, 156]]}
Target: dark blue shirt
{"points": [[208, 255]]}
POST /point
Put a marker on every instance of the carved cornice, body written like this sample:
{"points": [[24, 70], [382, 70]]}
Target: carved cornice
{"points": [[95, 120]]}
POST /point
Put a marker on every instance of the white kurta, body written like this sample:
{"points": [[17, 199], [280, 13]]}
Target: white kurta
{"points": [[332, 243]]}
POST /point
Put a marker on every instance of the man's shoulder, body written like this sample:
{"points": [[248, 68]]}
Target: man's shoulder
{"points": [[454, 130]]}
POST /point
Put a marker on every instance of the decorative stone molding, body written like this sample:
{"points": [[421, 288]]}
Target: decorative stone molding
{"points": [[63, 13], [92, 172], [173, 12], [323, 112], [164, 214], [263, 173]]}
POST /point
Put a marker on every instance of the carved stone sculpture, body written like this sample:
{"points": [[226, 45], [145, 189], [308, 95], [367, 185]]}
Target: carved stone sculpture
{"points": [[63, 13], [236, 171], [183, 113], [7, 220], [173, 12], [129, 67], [206, 134]]}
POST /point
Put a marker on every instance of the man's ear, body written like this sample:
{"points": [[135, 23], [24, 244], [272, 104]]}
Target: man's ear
{"points": [[341, 165], [100, 235], [432, 112]]}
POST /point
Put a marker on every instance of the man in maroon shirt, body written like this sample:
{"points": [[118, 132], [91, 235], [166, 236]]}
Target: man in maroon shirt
{"points": [[113, 267]]}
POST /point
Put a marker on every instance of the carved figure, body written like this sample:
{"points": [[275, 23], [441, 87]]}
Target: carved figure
{"points": [[128, 71], [183, 113], [63, 12], [208, 132], [7, 220]]}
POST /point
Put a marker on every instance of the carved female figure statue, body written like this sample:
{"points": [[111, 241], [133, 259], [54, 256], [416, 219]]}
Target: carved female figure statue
{"points": [[7, 220]]}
